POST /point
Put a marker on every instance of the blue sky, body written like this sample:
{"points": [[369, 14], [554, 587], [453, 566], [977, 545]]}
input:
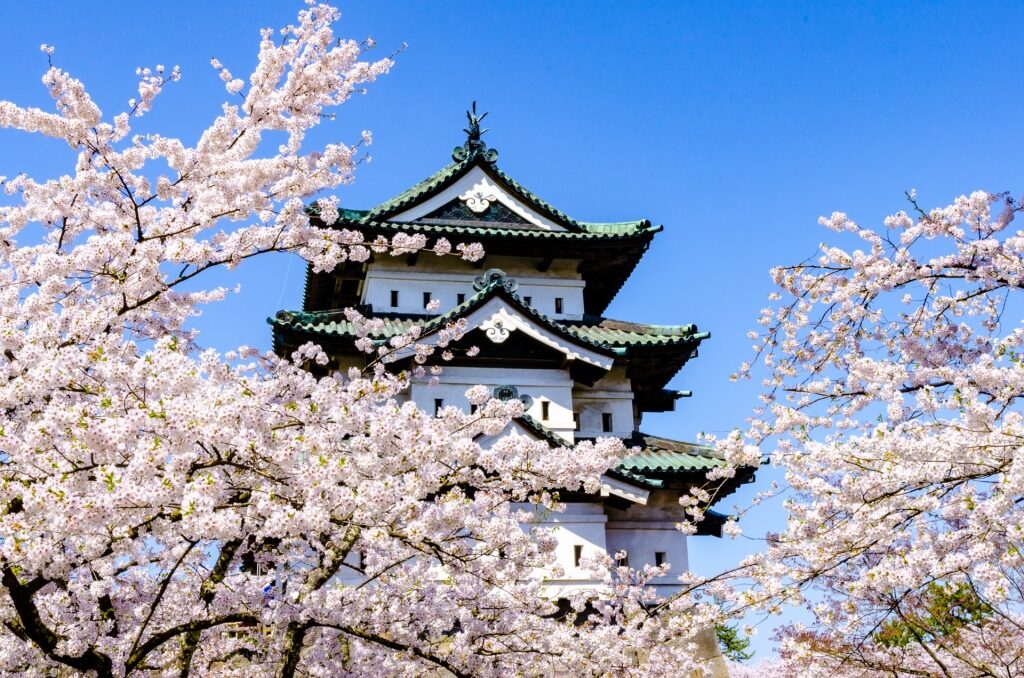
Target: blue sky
{"points": [[733, 124]]}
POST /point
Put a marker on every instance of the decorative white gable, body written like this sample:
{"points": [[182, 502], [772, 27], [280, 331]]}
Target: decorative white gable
{"points": [[478, 191], [498, 319]]}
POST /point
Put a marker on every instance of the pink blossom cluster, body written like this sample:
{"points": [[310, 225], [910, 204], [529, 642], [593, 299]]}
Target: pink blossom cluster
{"points": [[893, 377]]}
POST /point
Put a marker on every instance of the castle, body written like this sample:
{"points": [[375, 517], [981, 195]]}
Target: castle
{"points": [[534, 307]]}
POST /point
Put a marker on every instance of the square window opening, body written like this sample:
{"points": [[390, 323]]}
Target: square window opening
{"points": [[460, 297], [659, 558]]}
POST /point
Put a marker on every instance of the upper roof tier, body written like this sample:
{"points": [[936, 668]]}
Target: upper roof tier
{"points": [[472, 200]]}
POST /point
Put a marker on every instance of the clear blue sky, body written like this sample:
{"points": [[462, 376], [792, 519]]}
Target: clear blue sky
{"points": [[733, 124]]}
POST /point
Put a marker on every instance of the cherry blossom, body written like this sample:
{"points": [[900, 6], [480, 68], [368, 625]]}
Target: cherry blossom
{"points": [[168, 510], [894, 371]]}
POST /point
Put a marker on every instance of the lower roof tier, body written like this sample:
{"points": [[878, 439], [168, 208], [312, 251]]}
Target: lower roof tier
{"points": [[650, 354], [655, 463]]}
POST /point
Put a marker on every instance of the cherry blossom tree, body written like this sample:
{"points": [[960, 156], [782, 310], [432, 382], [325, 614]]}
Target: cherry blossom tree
{"points": [[892, 403], [169, 510]]}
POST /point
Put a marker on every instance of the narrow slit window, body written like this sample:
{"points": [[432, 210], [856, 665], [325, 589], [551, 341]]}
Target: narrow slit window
{"points": [[438, 404], [394, 298], [576, 421], [460, 297], [545, 410], [558, 304], [577, 554], [606, 422], [528, 301], [659, 558], [426, 299]]}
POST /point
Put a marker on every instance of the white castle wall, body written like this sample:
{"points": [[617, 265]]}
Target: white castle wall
{"points": [[645, 530], [551, 385], [613, 394], [589, 528], [447, 277]]}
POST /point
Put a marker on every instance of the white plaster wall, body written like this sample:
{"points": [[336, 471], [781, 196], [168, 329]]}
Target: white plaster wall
{"points": [[580, 524], [411, 285], [614, 394], [554, 386], [517, 267], [641, 540], [642, 530]]}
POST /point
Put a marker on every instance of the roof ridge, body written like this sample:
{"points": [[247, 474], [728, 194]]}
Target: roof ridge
{"points": [[413, 191], [688, 329], [464, 158], [641, 227], [495, 281], [692, 448]]}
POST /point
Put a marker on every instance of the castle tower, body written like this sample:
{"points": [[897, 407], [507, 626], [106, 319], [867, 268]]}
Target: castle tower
{"points": [[534, 307]]}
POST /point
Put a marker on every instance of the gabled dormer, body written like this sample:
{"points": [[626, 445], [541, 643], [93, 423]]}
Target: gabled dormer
{"points": [[471, 200], [472, 191]]}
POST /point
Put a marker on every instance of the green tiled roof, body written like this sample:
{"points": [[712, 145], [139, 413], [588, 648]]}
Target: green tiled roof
{"points": [[619, 333], [601, 333], [440, 178], [485, 159], [659, 457], [589, 231], [451, 172], [334, 323], [664, 456]]}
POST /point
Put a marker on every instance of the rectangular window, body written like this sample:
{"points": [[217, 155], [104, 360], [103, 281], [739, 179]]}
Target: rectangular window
{"points": [[623, 561], [577, 554], [459, 298], [606, 422], [558, 304], [528, 300], [473, 408], [545, 410], [659, 558], [426, 299], [394, 298], [576, 421], [438, 404]]}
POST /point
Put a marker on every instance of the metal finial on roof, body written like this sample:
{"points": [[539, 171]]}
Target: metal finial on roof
{"points": [[473, 132], [474, 145]]}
